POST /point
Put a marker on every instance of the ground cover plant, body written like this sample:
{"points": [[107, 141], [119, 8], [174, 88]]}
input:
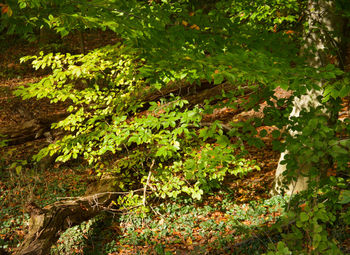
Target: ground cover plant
{"points": [[173, 111]]}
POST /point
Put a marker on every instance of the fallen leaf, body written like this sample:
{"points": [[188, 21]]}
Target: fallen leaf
{"points": [[185, 23]]}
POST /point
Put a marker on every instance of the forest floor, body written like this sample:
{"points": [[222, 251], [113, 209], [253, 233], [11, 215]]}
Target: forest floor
{"points": [[218, 225]]}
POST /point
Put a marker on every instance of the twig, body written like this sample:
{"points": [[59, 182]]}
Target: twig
{"points": [[119, 210], [147, 183], [156, 211]]}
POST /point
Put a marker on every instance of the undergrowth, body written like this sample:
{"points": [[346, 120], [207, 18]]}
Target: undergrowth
{"points": [[181, 225]]}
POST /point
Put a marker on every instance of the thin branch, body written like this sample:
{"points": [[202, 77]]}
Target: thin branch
{"points": [[147, 183], [119, 210]]}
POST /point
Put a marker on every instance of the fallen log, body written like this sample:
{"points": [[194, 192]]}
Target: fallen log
{"points": [[30, 130], [22, 133], [46, 224], [210, 92], [36, 128]]}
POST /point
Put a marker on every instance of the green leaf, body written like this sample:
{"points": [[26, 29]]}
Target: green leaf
{"points": [[345, 90], [275, 134], [316, 240], [18, 169], [223, 140], [338, 150], [304, 217], [344, 197], [218, 78], [263, 133], [317, 228]]}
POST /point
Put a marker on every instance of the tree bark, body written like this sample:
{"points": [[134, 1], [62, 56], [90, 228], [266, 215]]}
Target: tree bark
{"points": [[323, 21]]}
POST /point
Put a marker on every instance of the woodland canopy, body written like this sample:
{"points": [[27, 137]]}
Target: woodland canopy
{"points": [[167, 111]]}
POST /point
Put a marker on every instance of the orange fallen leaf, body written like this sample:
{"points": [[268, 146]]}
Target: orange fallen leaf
{"points": [[331, 172], [194, 26], [185, 23], [4, 9], [302, 206], [7, 9]]}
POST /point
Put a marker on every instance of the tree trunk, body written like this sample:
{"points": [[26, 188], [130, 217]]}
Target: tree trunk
{"points": [[323, 21]]}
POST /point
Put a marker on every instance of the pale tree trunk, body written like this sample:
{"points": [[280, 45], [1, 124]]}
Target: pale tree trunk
{"points": [[323, 21]]}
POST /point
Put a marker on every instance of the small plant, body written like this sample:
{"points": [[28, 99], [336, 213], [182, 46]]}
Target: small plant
{"points": [[310, 232], [281, 249], [18, 165], [3, 141]]}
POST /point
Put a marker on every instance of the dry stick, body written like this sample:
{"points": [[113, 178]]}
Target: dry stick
{"points": [[107, 209], [147, 183]]}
